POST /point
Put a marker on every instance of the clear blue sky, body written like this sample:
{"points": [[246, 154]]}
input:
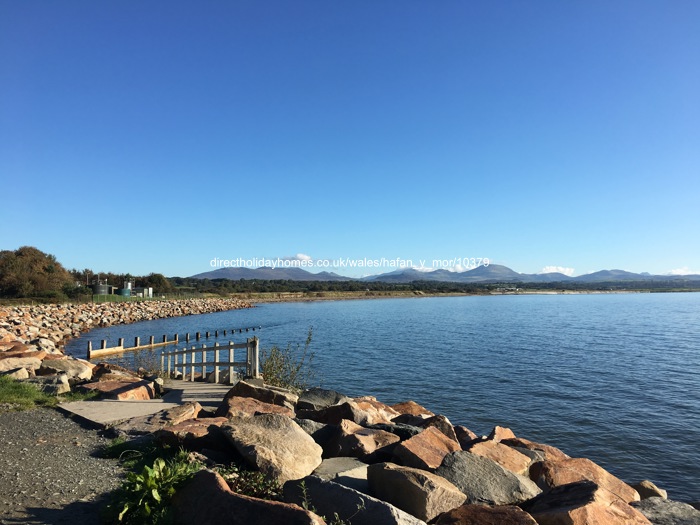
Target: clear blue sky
{"points": [[154, 136]]}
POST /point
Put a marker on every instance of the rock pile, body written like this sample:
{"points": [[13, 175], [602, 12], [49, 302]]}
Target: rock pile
{"points": [[364, 462], [32, 337]]}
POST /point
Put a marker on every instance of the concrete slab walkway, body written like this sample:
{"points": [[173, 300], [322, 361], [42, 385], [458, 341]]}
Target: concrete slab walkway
{"points": [[106, 412]]}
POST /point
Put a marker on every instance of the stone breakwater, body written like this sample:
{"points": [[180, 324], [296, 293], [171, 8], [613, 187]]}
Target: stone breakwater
{"points": [[367, 463], [50, 326], [32, 337]]}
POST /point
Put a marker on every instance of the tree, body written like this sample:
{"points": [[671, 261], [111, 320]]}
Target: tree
{"points": [[29, 272]]}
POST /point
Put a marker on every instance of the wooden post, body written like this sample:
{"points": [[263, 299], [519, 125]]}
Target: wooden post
{"points": [[150, 340], [121, 342], [256, 357], [162, 362], [176, 341], [192, 361], [224, 333], [103, 344], [197, 336], [137, 341], [204, 361], [230, 362], [165, 338], [216, 366], [184, 364], [216, 333], [187, 337], [169, 369], [89, 350], [207, 335]]}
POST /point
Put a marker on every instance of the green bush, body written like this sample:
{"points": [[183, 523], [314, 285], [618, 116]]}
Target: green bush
{"points": [[145, 497], [289, 367]]}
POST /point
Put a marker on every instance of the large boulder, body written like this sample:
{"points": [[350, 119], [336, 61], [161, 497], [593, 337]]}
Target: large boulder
{"points": [[275, 445], [661, 511], [364, 411], [135, 390], [56, 384], [505, 456], [465, 436], [17, 373], [425, 450], [329, 499], [356, 441], [11, 363], [471, 514], [320, 398], [248, 406], [267, 394], [550, 474], [485, 481], [142, 425], [74, 368], [192, 434], [500, 433], [420, 493], [582, 503], [208, 500]]}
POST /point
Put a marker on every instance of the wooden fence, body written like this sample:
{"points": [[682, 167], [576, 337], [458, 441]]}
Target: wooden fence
{"points": [[222, 357]]}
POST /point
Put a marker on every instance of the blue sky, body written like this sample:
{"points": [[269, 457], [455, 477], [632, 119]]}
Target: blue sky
{"points": [[155, 136]]}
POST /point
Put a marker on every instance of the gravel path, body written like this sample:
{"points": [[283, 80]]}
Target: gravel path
{"points": [[50, 472]]}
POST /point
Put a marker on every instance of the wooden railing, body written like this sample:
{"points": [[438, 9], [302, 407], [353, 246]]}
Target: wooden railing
{"points": [[222, 357]]}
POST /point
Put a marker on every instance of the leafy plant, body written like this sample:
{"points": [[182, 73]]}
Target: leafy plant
{"points": [[289, 367], [19, 395], [251, 483], [144, 497]]}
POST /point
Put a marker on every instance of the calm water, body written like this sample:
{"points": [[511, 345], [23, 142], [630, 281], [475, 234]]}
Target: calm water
{"points": [[615, 378]]}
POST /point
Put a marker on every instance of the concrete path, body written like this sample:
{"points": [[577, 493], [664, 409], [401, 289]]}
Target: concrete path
{"points": [[105, 412]]}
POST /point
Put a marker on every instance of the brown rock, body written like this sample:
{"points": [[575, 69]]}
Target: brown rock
{"points": [[123, 390], [356, 441], [172, 416], [465, 436], [208, 500], [192, 433], [507, 457], [582, 503], [442, 424], [24, 351], [646, 489], [556, 473], [420, 493], [500, 433], [267, 394], [412, 408], [550, 453], [248, 406], [425, 450], [485, 515], [366, 412]]}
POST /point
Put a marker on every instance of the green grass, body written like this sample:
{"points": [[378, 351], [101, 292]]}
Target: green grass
{"points": [[25, 396]]}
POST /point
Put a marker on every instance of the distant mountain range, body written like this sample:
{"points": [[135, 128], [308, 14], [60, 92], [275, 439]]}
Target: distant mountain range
{"points": [[494, 273]]}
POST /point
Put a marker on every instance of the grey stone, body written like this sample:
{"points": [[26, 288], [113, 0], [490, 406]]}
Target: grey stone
{"points": [[483, 480], [667, 512], [274, 444], [420, 493], [10, 363], [352, 506], [350, 472], [319, 398], [403, 431], [55, 385]]}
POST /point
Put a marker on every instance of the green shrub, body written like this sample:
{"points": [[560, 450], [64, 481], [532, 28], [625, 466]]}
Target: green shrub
{"points": [[145, 497], [289, 367], [251, 483]]}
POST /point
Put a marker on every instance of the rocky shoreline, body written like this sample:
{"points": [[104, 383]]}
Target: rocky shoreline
{"points": [[32, 338], [367, 463]]}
